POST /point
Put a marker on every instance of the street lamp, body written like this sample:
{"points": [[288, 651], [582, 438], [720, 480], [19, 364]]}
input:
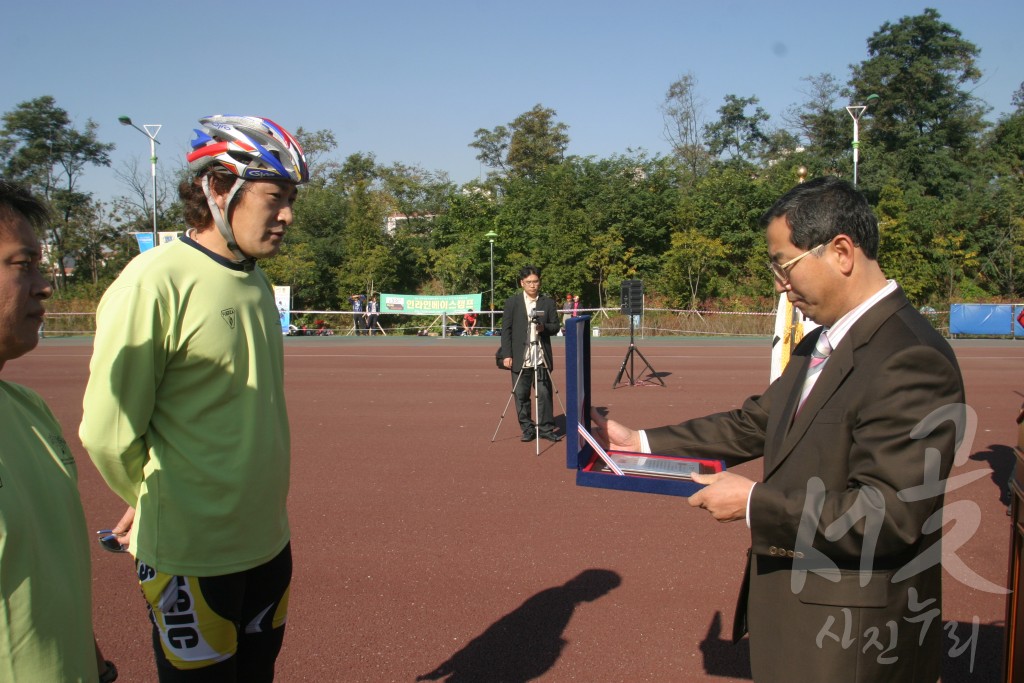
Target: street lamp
{"points": [[151, 131], [491, 237], [855, 111]]}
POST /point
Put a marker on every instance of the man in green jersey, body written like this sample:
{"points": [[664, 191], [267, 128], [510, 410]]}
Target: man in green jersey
{"points": [[184, 413], [46, 612]]}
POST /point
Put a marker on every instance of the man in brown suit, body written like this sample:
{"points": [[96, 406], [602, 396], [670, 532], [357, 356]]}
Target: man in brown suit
{"points": [[843, 581]]}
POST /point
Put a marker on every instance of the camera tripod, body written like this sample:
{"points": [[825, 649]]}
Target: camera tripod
{"points": [[539, 366], [629, 359]]}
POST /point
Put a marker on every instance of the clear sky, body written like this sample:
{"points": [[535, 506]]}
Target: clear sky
{"points": [[411, 81]]}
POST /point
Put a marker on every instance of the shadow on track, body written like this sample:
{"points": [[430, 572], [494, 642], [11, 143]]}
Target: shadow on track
{"points": [[526, 643]]}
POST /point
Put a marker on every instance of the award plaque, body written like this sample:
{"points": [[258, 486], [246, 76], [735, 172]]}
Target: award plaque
{"points": [[595, 467]]}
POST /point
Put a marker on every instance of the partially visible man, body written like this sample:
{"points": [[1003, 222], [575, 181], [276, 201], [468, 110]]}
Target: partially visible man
{"points": [[358, 317], [527, 325], [184, 413], [469, 323], [46, 615], [843, 581], [372, 313]]}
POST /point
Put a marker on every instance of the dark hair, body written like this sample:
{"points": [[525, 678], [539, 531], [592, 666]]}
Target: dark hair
{"points": [[820, 209], [17, 199], [527, 271], [196, 210]]}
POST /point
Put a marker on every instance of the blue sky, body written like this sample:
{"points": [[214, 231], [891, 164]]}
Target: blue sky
{"points": [[411, 81]]}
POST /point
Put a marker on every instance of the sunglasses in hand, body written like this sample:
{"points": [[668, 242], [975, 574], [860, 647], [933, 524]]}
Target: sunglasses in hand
{"points": [[110, 541]]}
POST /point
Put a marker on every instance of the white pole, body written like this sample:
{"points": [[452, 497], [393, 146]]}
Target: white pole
{"points": [[152, 157], [855, 112], [151, 131], [492, 288]]}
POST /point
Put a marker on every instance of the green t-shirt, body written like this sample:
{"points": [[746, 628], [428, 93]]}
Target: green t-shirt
{"points": [[184, 412], [46, 614]]}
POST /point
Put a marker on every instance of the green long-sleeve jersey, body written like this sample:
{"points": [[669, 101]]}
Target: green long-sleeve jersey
{"points": [[46, 610], [184, 412]]}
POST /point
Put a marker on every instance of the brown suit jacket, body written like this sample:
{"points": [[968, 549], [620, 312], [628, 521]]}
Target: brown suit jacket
{"points": [[843, 582]]}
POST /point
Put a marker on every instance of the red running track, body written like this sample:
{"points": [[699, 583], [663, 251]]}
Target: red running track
{"points": [[425, 551]]}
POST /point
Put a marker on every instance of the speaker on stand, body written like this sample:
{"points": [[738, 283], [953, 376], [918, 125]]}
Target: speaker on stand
{"points": [[632, 304]]}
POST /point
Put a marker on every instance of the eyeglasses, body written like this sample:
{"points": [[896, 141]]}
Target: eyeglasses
{"points": [[531, 282], [781, 271]]}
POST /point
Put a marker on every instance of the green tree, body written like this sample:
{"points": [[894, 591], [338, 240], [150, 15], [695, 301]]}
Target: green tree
{"points": [[365, 213], [999, 206], [296, 267], [314, 242], [919, 246], [608, 258], [317, 147], [459, 231], [683, 115], [135, 208], [823, 125], [737, 136], [689, 263], [924, 128], [492, 147], [41, 148], [726, 205], [532, 142]]}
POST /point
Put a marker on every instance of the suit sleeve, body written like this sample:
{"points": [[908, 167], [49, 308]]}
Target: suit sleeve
{"points": [[734, 436], [507, 319]]}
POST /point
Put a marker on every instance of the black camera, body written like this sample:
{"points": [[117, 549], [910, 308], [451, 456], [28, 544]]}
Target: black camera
{"points": [[537, 317]]}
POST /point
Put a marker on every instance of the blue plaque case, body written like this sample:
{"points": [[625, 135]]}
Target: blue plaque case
{"points": [[580, 455]]}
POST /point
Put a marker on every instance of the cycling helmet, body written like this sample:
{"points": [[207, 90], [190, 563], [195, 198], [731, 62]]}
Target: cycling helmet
{"points": [[250, 148]]}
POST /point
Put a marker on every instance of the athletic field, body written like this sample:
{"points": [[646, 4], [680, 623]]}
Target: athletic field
{"points": [[423, 551]]}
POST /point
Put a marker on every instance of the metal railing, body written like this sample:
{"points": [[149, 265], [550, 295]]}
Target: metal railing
{"points": [[654, 322]]}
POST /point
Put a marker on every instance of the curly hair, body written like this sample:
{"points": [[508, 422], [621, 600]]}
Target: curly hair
{"points": [[195, 207]]}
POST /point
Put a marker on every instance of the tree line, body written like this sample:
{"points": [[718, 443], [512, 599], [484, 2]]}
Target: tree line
{"points": [[946, 183]]}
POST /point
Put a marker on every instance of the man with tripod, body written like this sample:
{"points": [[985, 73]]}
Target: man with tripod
{"points": [[528, 322]]}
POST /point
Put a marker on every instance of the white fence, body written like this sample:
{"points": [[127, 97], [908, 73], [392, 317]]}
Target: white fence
{"points": [[610, 322]]}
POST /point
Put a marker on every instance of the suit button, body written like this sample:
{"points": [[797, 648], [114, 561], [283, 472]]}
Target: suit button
{"points": [[799, 556], [772, 550], [789, 553]]}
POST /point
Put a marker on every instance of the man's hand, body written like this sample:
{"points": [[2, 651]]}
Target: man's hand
{"points": [[124, 527], [612, 435], [724, 495], [507, 362]]}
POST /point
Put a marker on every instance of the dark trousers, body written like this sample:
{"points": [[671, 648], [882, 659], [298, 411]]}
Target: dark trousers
{"points": [[523, 389]]}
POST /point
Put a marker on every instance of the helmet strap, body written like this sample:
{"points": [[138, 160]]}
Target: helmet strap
{"points": [[220, 219]]}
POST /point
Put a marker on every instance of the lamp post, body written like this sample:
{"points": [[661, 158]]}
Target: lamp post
{"points": [[491, 236], [855, 111], [151, 131]]}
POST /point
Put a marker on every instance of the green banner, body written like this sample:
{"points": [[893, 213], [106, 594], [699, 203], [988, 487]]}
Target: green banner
{"points": [[415, 304]]}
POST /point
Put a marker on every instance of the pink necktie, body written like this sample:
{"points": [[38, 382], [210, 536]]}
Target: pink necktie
{"points": [[822, 349]]}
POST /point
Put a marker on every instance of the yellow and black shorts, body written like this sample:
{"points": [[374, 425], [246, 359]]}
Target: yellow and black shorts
{"points": [[222, 628]]}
